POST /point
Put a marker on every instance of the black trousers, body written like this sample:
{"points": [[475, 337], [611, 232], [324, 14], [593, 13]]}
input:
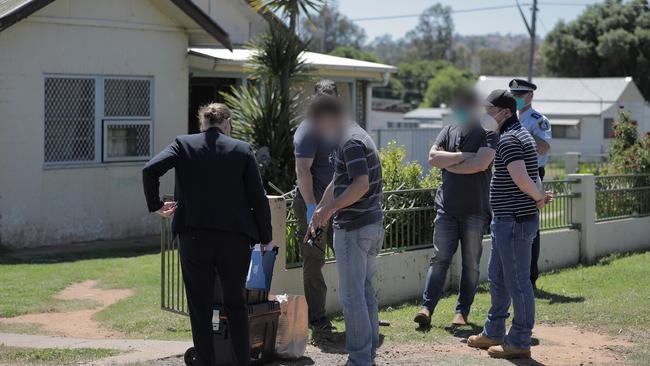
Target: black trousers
{"points": [[203, 252], [534, 270]]}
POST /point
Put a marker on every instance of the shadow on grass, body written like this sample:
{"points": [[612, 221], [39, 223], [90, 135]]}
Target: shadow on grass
{"points": [[125, 248], [557, 298], [334, 342], [464, 331]]}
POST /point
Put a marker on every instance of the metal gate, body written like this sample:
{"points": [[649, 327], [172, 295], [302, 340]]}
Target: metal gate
{"points": [[172, 289]]}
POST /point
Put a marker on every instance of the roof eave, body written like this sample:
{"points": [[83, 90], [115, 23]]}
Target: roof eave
{"points": [[202, 19], [187, 6], [22, 12]]}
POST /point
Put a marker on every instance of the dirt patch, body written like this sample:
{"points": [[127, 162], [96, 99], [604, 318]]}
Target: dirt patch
{"points": [[553, 345], [76, 323]]}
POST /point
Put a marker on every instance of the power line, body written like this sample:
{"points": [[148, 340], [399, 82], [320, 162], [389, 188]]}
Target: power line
{"points": [[452, 12], [469, 10]]}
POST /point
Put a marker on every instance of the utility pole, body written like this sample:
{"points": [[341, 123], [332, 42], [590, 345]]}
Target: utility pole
{"points": [[531, 32]]}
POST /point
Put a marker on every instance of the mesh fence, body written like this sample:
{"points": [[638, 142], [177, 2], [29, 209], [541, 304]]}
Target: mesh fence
{"points": [[127, 97], [69, 120]]}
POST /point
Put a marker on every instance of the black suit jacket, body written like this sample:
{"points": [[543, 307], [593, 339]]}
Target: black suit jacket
{"points": [[218, 185]]}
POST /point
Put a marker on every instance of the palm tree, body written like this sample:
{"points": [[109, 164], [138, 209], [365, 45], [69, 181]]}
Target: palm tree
{"points": [[266, 111]]}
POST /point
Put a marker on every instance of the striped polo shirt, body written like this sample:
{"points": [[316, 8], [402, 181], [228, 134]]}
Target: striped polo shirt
{"points": [[356, 156], [515, 143]]}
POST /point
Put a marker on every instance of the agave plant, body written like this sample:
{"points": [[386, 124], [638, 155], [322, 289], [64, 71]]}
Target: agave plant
{"points": [[267, 111]]}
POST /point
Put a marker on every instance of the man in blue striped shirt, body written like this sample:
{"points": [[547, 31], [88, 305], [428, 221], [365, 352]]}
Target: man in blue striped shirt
{"points": [[354, 198], [515, 196]]}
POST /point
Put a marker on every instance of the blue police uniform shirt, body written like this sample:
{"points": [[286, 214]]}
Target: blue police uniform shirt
{"points": [[537, 125]]}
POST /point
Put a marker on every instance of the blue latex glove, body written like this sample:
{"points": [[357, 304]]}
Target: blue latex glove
{"points": [[310, 211]]}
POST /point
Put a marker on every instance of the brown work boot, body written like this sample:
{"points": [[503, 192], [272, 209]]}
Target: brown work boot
{"points": [[459, 319], [508, 351], [423, 318], [481, 341]]}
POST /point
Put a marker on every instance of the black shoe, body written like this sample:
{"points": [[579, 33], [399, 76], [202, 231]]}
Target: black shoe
{"points": [[322, 325]]}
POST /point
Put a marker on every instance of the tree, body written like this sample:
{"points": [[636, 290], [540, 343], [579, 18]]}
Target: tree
{"points": [[415, 78], [441, 88], [509, 63], [354, 53], [432, 38], [607, 39], [329, 29], [389, 50], [266, 111]]}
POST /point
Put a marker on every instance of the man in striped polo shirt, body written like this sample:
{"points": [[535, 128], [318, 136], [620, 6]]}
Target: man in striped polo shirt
{"points": [[515, 196], [354, 198]]}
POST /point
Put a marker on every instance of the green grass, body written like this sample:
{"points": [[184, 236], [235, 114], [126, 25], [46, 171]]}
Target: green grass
{"points": [[28, 288], [51, 356], [612, 296]]}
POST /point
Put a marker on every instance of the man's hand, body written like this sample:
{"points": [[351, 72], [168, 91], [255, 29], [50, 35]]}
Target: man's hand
{"points": [[266, 247], [548, 198], [319, 219], [167, 210]]}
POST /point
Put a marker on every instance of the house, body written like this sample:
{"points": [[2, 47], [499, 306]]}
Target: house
{"points": [[581, 110], [428, 117], [90, 90]]}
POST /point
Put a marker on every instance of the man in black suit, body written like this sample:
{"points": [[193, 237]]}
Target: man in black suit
{"points": [[220, 210]]}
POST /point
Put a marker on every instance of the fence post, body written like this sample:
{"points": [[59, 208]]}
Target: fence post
{"points": [[583, 210], [279, 223], [571, 163]]}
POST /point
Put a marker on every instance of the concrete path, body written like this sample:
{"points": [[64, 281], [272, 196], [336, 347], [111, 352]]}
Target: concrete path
{"points": [[135, 350]]}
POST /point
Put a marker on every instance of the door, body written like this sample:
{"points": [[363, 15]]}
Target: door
{"points": [[205, 91]]}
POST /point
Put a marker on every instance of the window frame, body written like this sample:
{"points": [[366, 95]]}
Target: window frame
{"points": [[100, 118], [131, 121], [564, 128]]}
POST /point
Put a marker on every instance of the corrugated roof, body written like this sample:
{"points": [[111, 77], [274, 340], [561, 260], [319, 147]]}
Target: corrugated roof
{"points": [[240, 56], [426, 113], [570, 108], [564, 89]]}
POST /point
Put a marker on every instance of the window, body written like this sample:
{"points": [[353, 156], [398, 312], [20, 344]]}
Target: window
{"points": [[97, 119], [566, 132], [608, 130], [69, 120]]}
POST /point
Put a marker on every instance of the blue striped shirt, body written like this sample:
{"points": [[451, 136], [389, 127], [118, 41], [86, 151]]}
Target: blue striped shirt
{"points": [[357, 156], [515, 143]]}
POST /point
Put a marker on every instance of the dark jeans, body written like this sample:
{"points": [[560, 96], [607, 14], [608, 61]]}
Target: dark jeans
{"points": [[534, 270], [509, 278], [202, 253], [313, 260], [449, 230]]}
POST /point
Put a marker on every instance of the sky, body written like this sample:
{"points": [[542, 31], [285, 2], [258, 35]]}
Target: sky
{"points": [[479, 22]]}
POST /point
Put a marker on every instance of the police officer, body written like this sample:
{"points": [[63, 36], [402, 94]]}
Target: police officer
{"points": [[540, 128]]}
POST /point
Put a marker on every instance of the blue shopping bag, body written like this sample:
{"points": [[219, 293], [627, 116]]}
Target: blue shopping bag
{"points": [[260, 271]]}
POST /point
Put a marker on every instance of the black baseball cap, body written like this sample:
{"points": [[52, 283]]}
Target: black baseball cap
{"points": [[501, 98]]}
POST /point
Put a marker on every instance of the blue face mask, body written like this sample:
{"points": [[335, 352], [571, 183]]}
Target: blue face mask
{"points": [[462, 116], [521, 103]]}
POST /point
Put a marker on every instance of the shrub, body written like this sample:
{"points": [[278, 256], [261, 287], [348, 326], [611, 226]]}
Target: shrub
{"points": [[399, 174], [628, 153]]}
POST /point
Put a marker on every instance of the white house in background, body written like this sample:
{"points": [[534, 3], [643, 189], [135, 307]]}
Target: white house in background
{"points": [[90, 90], [581, 110], [428, 117]]}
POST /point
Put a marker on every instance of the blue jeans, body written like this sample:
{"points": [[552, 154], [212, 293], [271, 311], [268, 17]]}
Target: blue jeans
{"points": [[448, 231], [356, 255], [509, 278]]}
